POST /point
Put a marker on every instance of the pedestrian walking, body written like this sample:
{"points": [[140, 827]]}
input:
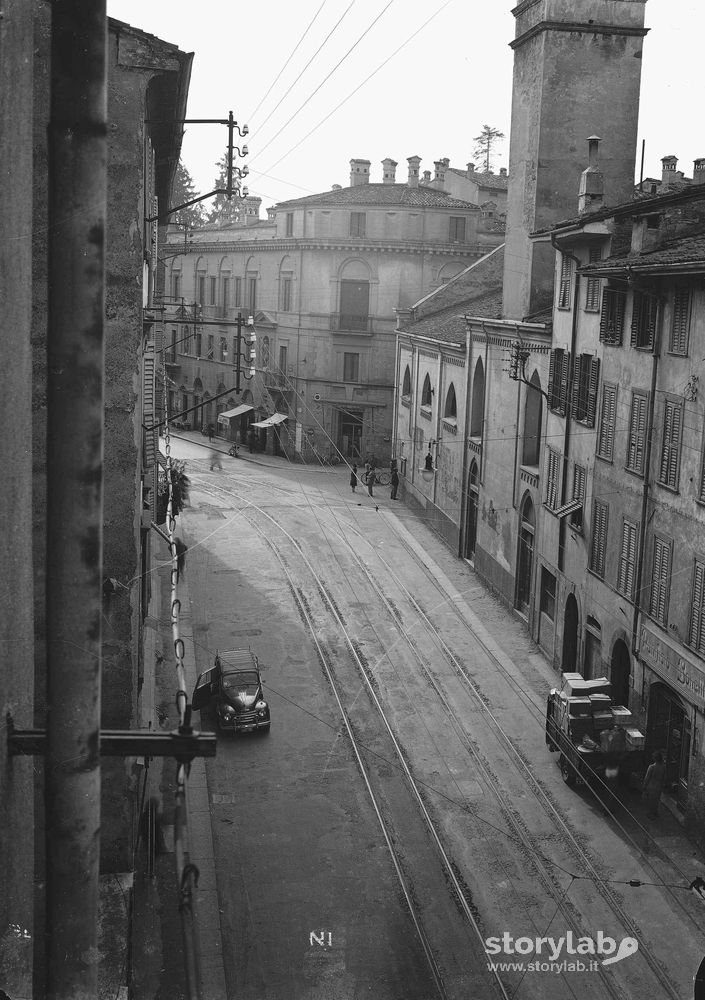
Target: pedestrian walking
{"points": [[654, 781], [251, 440], [395, 483], [181, 550], [371, 480], [353, 478], [215, 460], [211, 432]]}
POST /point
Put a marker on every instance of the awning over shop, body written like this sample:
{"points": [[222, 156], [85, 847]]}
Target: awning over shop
{"points": [[242, 408], [276, 418]]}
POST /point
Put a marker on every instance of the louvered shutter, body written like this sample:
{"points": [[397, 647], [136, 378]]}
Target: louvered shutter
{"points": [[681, 317], [696, 636], [599, 537], [628, 559], [565, 376], [605, 448], [149, 450], [593, 382], [577, 399], [552, 379], [671, 444], [637, 430], [637, 303], [660, 580]]}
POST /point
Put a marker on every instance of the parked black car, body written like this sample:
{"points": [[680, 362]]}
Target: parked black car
{"points": [[233, 687]]}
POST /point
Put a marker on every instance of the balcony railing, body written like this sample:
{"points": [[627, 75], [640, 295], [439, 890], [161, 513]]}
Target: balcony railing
{"points": [[276, 380], [344, 322]]}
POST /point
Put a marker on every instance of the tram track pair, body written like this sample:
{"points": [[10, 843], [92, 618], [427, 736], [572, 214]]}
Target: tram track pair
{"points": [[531, 849]]}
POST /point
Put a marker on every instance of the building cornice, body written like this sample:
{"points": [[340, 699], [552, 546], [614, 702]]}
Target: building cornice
{"points": [[579, 27], [345, 246]]}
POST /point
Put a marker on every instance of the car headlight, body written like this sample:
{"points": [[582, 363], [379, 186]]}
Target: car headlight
{"points": [[261, 709]]}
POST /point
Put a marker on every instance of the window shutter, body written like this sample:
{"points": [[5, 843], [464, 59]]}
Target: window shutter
{"points": [[636, 319], [681, 316], [577, 401], [637, 430], [593, 382], [552, 378], [599, 537], [605, 446], [628, 559], [565, 375], [671, 444], [660, 580], [696, 636], [149, 449]]}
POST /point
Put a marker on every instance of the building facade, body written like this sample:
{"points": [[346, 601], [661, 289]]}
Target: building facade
{"points": [[322, 279]]}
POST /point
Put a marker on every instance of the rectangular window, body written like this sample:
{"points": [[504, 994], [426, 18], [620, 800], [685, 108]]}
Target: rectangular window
{"points": [[210, 346], [612, 316], [202, 289], [660, 581], [198, 338], [283, 352], [457, 229], [644, 311], [237, 292], [636, 442], [608, 412], [565, 286], [553, 478], [558, 369], [592, 286], [223, 349], [176, 286], [211, 291], [171, 350], [252, 294], [680, 322], [586, 376], [627, 559], [696, 632], [289, 223], [286, 294], [357, 223], [548, 594], [598, 548], [671, 444], [579, 475], [185, 340], [351, 367], [226, 293], [354, 305]]}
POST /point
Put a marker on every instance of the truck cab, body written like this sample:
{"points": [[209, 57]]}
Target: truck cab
{"points": [[233, 689]]}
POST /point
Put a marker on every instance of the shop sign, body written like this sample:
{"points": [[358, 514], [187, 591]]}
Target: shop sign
{"points": [[686, 677]]}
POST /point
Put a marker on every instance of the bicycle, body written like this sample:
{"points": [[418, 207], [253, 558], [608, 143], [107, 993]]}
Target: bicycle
{"points": [[381, 478]]}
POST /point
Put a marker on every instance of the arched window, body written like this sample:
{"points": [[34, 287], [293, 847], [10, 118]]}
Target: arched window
{"points": [[532, 422], [451, 408], [426, 392], [265, 352], [477, 408], [197, 385], [406, 384]]}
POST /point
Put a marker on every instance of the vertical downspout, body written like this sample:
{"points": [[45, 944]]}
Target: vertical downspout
{"points": [[395, 396], [465, 464], [517, 473], [77, 218], [485, 403]]}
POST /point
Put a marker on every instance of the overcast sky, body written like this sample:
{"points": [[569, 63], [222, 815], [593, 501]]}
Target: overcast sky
{"points": [[441, 70]]}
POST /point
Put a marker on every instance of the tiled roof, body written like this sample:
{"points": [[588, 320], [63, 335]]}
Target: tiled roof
{"points": [[382, 194], [484, 180], [638, 206], [685, 250]]}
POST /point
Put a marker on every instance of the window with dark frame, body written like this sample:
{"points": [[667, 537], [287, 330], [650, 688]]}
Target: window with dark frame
{"points": [[358, 224], [283, 354], [456, 232], [450, 411], [627, 559], [426, 392], [198, 338], [286, 294], [211, 291], [565, 285], [671, 443], [176, 286], [696, 630], [406, 384], [680, 321], [598, 546], [202, 289], [351, 367], [660, 581], [636, 442], [612, 316], [223, 349], [237, 292], [586, 377], [211, 347], [558, 372], [553, 478], [289, 223], [252, 294], [592, 285], [579, 478], [608, 413], [548, 594], [225, 287], [644, 313]]}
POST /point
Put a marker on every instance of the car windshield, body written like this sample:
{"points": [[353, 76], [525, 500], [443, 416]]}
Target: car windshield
{"points": [[241, 680]]}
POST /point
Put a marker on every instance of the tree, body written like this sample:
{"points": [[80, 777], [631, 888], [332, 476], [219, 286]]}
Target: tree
{"points": [[485, 143], [182, 191], [220, 209]]}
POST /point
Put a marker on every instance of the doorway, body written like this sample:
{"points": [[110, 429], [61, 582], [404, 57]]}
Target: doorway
{"points": [[525, 559], [350, 440], [471, 513], [569, 660], [620, 670], [670, 732]]}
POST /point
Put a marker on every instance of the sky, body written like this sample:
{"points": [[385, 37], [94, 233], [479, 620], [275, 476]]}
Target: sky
{"points": [[320, 82]]}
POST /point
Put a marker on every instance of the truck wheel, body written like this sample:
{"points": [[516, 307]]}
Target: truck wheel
{"points": [[567, 772]]}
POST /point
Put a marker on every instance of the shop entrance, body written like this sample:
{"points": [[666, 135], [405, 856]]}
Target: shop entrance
{"points": [[670, 732], [525, 559], [471, 513], [350, 440]]}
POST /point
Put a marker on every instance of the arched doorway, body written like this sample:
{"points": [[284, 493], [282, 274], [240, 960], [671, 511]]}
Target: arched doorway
{"points": [[620, 669], [525, 558], [669, 730], [471, 513], [477, 403], [569, 660]]}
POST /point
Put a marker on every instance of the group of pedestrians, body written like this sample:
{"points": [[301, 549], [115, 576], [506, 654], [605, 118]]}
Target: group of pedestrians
{"points": [[371, 479]]}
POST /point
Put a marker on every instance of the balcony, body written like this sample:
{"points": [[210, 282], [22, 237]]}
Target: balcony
{"points": [[344, 323], [275, 380]]}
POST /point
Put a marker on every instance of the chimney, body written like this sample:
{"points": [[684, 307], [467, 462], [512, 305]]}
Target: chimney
{"points": [[699, 170], [427, 176], [414, 164], [502, 171], [668, 169], [592, 185], [389, 167], [471, 169], [441, 167], [271, 214], [359, 172], [250, 206]]}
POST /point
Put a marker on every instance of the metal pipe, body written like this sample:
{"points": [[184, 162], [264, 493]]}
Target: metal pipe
{"points": [[77, 218]]}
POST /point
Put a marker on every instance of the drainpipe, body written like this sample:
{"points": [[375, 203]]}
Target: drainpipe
{"points": [[395, 396], [516, 489], [76, 239], [569, 399], [645, 487], [465, 465]]}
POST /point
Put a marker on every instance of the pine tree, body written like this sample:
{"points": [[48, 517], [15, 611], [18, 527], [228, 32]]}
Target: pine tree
{"points": [[219, 208], [182, 191], [485, 143]]}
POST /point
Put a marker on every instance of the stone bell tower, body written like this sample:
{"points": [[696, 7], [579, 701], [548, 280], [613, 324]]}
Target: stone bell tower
{"points": [[577, 72]]}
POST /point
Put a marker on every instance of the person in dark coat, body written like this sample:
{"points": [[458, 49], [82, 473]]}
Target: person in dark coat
{"points": [[395, 483], [251, 440], [371, 480], [181, 550], [353, 478], [654, 781], [211, 432]]}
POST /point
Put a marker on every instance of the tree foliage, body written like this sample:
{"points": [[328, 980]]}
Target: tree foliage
{"points": [[485, 143], [219, 208], [183, 190]]}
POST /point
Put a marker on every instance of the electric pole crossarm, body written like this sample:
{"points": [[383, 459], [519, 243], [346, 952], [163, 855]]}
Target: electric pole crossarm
{"points": [[123, 743]]}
